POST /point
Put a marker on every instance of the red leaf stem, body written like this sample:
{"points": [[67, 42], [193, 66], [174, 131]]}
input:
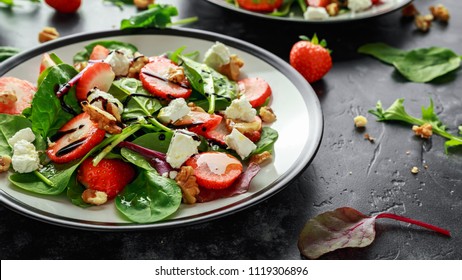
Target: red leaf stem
{"points": [[414, 222], [142, 150]]}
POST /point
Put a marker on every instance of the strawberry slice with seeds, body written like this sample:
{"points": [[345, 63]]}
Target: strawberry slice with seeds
{"points": [[256, 90], [99, 75], [15, 95], [75, 139], [109, 175], [155, 79], [99, 52]]}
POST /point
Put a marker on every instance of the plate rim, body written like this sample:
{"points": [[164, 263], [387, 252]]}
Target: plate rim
{"points": [[222, 3], [306, 156]]}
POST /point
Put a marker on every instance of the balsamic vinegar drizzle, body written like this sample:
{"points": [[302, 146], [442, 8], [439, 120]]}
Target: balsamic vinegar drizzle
{"points": [[150, 74], [60, 133], [69, 148]]}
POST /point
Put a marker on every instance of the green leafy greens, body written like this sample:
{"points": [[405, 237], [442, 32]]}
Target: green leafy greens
{"points": [[7, 52], [417, 65], [397, 112]]}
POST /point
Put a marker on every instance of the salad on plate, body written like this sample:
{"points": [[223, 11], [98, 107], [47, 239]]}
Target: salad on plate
{"points": [[146, 133]]}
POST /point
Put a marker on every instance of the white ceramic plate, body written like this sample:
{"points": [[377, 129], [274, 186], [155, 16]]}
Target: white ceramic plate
{"points": [[297, 107], [296, 15]]}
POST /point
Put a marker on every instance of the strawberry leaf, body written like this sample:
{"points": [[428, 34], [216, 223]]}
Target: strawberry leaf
{"points": [[345, 227]]}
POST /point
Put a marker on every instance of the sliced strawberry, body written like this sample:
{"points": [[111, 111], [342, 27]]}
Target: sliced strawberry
{"points": [[75, 139], [99, 52], [109, 175], [256, 90], [218, 133], [207, 123], [319, 3], [260, 5], [215, 170], [154, 77], [15, 95], [46, 62], [98, 75]]}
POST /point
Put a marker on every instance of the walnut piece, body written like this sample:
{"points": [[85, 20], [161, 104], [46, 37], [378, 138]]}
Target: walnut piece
{"points": [[8, 97], [143, 4], [369, 138], [47, 34], [440, 12], [79, 66], [176, 74], [423, 23], [424, 131], [104, 119], [187, 182], [94, 197], [267, 115], [232, 70], [138, 63], [410, 11], [260, 158], [415, 170], [332, 9], [5, 162], [360, 121]]}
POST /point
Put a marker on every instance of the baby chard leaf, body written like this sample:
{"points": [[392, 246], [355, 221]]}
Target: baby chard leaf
{"points": [[345, 227]]}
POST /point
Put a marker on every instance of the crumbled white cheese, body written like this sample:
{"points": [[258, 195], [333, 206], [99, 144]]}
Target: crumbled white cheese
{"points": [[240, 109], [23, 134], [97, 96], [217, 55], [182, 147], [359, 5], [119, 63], [176, 109], [25, 158], [241, 144], [316, 13]]}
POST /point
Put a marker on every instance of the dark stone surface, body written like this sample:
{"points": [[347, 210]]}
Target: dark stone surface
{"points": [[347, 171]]}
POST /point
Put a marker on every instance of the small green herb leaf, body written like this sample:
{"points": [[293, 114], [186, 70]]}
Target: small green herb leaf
{"points": [[7, 52], [157, 16]]}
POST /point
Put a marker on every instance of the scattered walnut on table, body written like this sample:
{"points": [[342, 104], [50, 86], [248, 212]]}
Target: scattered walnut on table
{"points": [[415, 170], [142, 4], [369, 138], [423, 22], [187, 182], [47, 34], [360, 121], [424, 131], [440, 12]]}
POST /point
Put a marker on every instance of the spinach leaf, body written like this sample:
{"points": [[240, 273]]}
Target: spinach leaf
{"points": [[397, 112], [7, 52], [9, 125], [157, 16], [149, 198], [137, 159], [418, 65], [84, 55], [74, 192], [267, 140], [46, 113], [157, 141]]}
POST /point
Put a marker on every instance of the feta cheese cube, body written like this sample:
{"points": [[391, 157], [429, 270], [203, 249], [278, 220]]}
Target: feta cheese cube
{"points": [[316, 13], [241, 144], [23, 134], [217, 56], [176, 109], [25, 158], [240, 109], [359, 5], [119, 63], [182, 146]]}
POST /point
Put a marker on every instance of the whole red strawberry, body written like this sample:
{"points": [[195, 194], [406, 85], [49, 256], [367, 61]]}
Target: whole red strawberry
{"points": [[311, 58], [109, 175], [64, 6]]}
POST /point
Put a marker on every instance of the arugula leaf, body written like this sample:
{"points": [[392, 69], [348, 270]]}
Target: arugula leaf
{"points": [[112, 45], [47, 114], [397, 112], [157, 16], [7, 52], [149, 198], [418, 65]]}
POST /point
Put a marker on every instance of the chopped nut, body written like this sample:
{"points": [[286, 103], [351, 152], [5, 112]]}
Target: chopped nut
{"points": [[332, 9], [426, 166], [47, 34], [424, 131], [232, 70], [244, 127], [104, 119], [410, 11], [79, 66], [368, 137], [5, 162], [360, 121], [267, 115], [423, 23], [8, 97], [415, 170], [138, 63], [187, 182], [440, 12], [94, 197], [143, 4], [195, 108], [260, 158], [176, 74]]}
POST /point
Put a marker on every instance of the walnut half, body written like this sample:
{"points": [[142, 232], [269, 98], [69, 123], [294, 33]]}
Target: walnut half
{"points": [[47, 34], [187, 182], [424, 131]]}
